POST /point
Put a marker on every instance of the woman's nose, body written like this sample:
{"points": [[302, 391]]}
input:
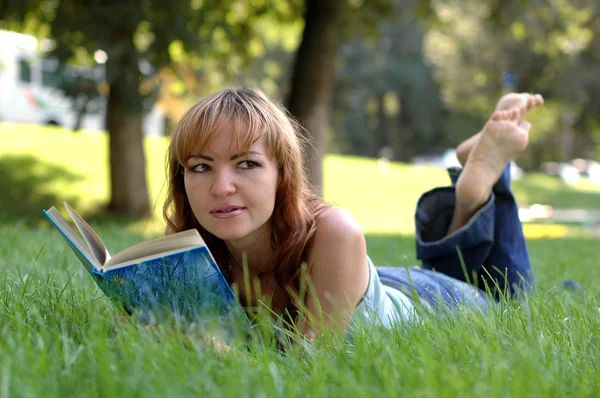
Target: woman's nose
{"points": [[223, 184]]}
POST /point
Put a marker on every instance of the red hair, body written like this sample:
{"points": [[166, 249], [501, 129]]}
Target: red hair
{"points": [[296, 206]]}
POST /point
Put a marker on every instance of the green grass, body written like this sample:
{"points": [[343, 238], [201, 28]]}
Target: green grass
{"points": [[41, 167], [58, 336], [540, 188]]}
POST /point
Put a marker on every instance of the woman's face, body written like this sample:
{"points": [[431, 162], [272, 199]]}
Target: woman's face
{"points": [[232, 194]]}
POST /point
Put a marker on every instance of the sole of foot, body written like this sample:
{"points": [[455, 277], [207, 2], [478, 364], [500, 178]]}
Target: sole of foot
{"points": [[502, 138], [508, 101]]}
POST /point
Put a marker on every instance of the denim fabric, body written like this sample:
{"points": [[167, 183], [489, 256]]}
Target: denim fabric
{"points": [[433, 289], [492, 245]]}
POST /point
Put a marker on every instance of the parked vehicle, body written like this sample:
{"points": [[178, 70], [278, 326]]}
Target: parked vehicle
{"points": [[33, 89]]}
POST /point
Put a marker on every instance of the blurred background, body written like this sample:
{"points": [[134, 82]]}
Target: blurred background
{"points": [[89, 91]]}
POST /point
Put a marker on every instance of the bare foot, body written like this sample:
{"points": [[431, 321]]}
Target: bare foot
{"points": [[503, 137], [519, 100], [508, 101]]}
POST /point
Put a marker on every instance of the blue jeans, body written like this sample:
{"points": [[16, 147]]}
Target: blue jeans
{"points": [[433, 290], [489, 252]]}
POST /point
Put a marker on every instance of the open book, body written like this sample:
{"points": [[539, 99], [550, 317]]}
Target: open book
{"points": [[171, 274]]}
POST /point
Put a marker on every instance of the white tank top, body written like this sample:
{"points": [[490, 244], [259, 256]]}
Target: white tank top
{"points": [[383, 305]]}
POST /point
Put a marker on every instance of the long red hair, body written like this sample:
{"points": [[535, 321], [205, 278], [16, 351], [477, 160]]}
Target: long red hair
{"points": [[296, 206]]}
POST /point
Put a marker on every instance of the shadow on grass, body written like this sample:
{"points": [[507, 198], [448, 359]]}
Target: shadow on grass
{"points": [[26, 183]]}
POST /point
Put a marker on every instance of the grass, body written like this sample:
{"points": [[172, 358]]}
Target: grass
{"points": [[58, 336], [41, 167], [540, 188]]}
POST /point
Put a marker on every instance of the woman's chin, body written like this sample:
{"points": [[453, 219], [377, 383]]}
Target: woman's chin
{"points": [[229, 235], [239, 231]]}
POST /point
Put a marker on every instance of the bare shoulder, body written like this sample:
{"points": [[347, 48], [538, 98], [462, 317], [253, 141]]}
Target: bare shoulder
{"points": [[337, 258], [335, 217], [338, 267], [338, 237], [335, 224]]}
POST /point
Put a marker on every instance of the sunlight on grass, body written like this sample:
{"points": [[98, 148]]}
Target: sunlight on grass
{"points": [[382, 197], [84, 153], [382, 200], [549, 190], [537, 231]]}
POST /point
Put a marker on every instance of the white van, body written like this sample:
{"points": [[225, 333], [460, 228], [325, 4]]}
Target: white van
{"points": [[30, 89]]}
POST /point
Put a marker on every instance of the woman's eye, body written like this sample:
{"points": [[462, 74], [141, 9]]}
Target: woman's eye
{"points": [[201, 168], [247, 164]]}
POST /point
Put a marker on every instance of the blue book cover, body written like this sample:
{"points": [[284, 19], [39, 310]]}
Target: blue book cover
{"points": [[171, 275]]}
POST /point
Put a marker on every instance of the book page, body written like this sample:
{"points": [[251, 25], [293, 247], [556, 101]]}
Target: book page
{"points": [[72, 236], [156, 248], [89, 235]]}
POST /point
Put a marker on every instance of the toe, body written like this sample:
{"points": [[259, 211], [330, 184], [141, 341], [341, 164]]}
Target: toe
{"points": [[539, 98], [498, 115], [514, 114], [525, 125], [521, 114], [531, 101]]}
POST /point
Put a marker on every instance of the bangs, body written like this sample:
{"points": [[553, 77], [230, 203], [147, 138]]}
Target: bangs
{"points": [[201, 124]]}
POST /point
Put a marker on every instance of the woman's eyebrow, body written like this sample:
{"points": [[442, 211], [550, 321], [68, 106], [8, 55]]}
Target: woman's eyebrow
{"points": [[203, 157], [232, 157], [239, 155]]}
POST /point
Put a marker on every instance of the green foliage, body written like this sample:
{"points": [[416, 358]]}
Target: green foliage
{"points": [[481, 49], [386, 95], [271, 49], [441, 64], [139, 37], [163, 33]]}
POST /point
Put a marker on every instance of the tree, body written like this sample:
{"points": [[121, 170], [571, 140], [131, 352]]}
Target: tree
{"points": [[482, 48], [311, 96], [386, 95], [326, 24], [139, 38]]}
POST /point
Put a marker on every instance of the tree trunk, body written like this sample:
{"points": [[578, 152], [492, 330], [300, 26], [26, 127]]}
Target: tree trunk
{"points": [[129, 190], [311, 96]]}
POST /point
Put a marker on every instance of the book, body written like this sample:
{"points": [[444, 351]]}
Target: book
{"points": [[170, 275]]}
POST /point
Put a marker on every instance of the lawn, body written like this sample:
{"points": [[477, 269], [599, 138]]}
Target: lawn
{"points": [[58, 335]]}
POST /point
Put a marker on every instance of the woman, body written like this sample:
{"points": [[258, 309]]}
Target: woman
{"points": [[235, 173]]}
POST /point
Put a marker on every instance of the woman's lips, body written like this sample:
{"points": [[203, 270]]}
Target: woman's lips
{"points": [[227, 211]]}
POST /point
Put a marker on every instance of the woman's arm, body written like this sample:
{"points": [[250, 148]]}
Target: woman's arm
{"points": [[339, 274]]}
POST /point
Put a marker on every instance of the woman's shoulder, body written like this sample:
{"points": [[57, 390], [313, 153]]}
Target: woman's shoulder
{"points": [[336, 230], [338, 221], [337, 256]]}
